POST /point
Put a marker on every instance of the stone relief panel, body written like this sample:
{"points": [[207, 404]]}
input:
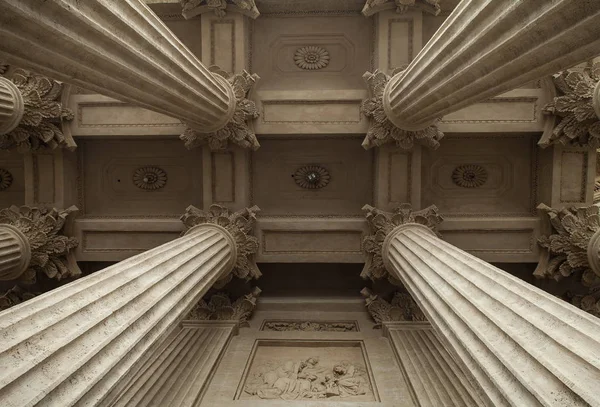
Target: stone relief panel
{"points": [[275, 190], [149, 178], [308, 370], [309, 326], [482, 176]]}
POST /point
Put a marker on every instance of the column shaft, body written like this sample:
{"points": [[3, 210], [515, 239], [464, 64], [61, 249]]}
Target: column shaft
{"points": [[524, 346], [117, 48], [15, 252], [71, 345], [11, 106], [487, 47]]}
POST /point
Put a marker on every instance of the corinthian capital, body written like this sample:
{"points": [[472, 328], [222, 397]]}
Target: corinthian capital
{"points": [[577, 107], [383, 224], [239, 225], [42, 114], [402, 307], [402, 6], [237, 129], [220, 308], [44, 247], [382, 130]]}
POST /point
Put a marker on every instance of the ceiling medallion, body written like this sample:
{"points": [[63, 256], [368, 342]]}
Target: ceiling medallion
{"points": [[311, 57], [150, 178], [469, 176], [6, 179], [311, 177]]}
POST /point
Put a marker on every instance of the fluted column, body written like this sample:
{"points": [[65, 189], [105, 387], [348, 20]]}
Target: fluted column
{"points": [[117, 48], [72, 345], [487, 47], [15, 252], [11, 106], [523, 346]]}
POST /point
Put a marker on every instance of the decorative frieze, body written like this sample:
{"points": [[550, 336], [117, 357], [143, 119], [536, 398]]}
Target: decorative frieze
{"points": [[311, 57], [402, 307], [150, 178], [309, 326], [402, 6], [220, 308], [381, 224], [381, 129], [42, 117], [571, 252], [51, 253], [192, 8], [239, 225], [236, 130], [577, 106]]}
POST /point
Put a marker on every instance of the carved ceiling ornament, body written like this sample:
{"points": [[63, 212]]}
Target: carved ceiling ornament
{"points": [[40, 126], [14, 296], [192, 8], [469, 175], [382, 130], [311, 57], [402, 6], [566, 253], [51, 251], [402, 307], [150, 178], [381, 224], [312, 177], [236, 131], [220, 308], [6, 179], [239, 224], [577, 106]]}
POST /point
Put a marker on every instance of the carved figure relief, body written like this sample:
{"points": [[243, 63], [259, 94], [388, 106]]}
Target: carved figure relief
{"points": [[312, 177], [43, 115], [150, 178], [220, 308], [311, 57], [402, 6], [6, 179], [469, 176], [219, 7], [308, 379], [402, 307], [579, 123], [310, 326]]}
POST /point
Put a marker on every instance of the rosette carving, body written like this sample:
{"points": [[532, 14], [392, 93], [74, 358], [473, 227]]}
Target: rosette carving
{"points": [[312, 177], [237, 130], [239, 224], [402, 307], [6, 179], [311, 57], [51, 251], [220, 308], [382, 224], [150, 178], [578, 111], [40, 126], [382, 130], [469, 176]]}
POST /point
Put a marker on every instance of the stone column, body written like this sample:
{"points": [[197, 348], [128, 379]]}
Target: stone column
{"points": [[11, 106], [523, 346], [15, 252], [117, 48], [484, 48], [72, 345]]}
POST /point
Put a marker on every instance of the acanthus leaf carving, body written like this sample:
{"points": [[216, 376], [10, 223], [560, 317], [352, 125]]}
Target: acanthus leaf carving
{"points": [[381, 129], [220, 308], [240, 225], [51, 251], [402, 307], [40, 126], [565, 254], [237, 130], [191, 8], [402, 6], [14, 296], [577, 107], [381, 224]]}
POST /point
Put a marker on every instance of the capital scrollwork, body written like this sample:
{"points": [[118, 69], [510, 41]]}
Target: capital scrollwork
{"points": [[383, 223], [237, 129], [381, 129], [239, 225]]}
